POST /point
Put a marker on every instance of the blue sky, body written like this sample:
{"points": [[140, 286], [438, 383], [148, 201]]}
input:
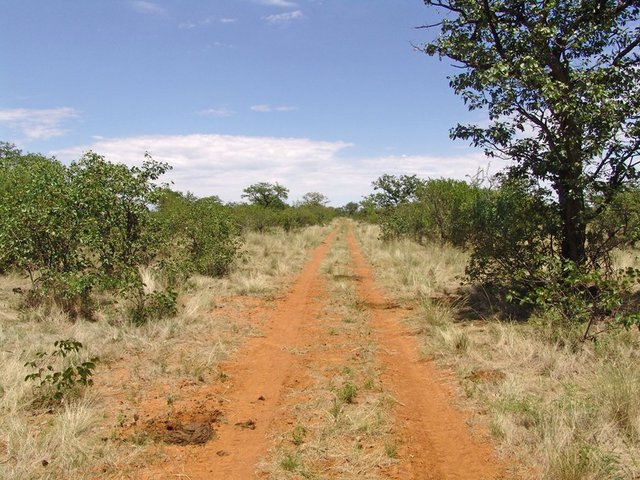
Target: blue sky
{"points": [[319, 95]]}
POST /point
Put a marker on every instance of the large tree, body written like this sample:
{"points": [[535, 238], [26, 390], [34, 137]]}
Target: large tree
{"points": [[392, 190], [265, 194], [561, 82]]}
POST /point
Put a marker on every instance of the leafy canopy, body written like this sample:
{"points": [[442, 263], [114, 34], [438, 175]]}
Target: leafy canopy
{"points": [[561, 84], [265, 194], [392, 190], [315, 199]]}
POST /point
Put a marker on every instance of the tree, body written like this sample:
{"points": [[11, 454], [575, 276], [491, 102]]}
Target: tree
{"points": [[350, 208], [561, 82], [9, 153], [265, 194], [314, 198], [394, 190]]}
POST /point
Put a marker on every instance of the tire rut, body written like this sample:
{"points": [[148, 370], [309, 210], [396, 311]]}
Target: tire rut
{"points": [[437, 444], [257, 377], [273, 376]]}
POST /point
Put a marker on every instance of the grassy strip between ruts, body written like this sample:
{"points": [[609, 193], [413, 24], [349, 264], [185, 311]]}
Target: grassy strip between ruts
{"points": [[78, 439], [564, 410], [340, 421]]}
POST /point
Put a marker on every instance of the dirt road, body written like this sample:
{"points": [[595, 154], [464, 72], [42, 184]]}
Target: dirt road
{"points": [[279, 379]]}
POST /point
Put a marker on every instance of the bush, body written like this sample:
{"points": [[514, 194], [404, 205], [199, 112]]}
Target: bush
{"points": [[409, 220], [570, 294], [74, 229], [55, 380], [442, 212], [202, 232], [615, 224], [154, 305], [449, 204], [512, 235]]}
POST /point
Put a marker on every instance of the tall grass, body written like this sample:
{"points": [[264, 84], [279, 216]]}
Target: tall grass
{"points": [[79, 438], [561, 408]]}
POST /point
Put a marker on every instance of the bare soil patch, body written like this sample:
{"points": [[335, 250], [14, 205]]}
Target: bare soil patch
{"points": [[248, 398]]}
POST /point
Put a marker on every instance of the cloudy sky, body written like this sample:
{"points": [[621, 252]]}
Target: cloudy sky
{"points": [[318, 95]]}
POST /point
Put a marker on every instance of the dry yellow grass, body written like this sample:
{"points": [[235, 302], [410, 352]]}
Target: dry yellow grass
{"points": [[76, 439], [564, 410]]}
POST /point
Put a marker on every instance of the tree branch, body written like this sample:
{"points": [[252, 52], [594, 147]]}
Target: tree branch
{"points": [[625, 51]]}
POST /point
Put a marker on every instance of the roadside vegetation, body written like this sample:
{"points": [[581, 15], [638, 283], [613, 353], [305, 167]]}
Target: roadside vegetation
{"points": [[561, 407], [91, 432], [114, 290], [138, 304], [544, 331]]}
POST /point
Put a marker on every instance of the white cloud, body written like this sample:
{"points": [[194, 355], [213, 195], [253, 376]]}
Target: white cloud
{"points": [[188, 25], [217, 112], [278, 3], [224, 165], [148, 8], [282, 18], [37, 124], [264, 108]]}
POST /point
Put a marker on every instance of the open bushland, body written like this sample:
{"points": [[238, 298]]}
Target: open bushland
{"points": [[561, 407], [295, 365], [146, 333], [102, 431]]}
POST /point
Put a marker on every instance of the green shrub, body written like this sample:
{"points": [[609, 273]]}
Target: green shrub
{"points": [[442, 211], [574, 295], [203, 233], [55, 380], [74, 229], [513, 234], [347, 392], [153, 306]]}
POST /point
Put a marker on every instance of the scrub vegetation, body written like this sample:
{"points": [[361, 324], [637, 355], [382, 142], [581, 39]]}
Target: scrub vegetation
{"points": [[120, 297]]}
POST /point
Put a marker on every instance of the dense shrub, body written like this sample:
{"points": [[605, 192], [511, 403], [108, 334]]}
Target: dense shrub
{"points": [[261, 219], [409, 220], [203, 230], [442, 211], [91, 226], [41, 233], [512, 234], [615, 224]]}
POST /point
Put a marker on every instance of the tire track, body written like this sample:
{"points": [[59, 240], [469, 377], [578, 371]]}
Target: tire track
{"points": [[437, 444], [257, 379]]}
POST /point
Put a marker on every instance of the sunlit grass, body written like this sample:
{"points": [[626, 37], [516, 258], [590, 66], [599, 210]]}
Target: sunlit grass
{"points": [[78, 438], [562, 409]]}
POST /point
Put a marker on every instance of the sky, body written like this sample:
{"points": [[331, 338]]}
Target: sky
{"points": [[317, 95]]}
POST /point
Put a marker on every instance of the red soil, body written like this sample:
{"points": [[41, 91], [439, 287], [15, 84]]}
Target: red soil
{"points": [[257, 376], [242, 413], [436, 440]]}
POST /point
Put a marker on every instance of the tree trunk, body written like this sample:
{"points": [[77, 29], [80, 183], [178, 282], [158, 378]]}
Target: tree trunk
{"points": [[574, 228]]}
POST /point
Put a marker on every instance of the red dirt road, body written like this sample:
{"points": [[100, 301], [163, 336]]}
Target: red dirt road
{"points": [[256, 381], [436, 443]]}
